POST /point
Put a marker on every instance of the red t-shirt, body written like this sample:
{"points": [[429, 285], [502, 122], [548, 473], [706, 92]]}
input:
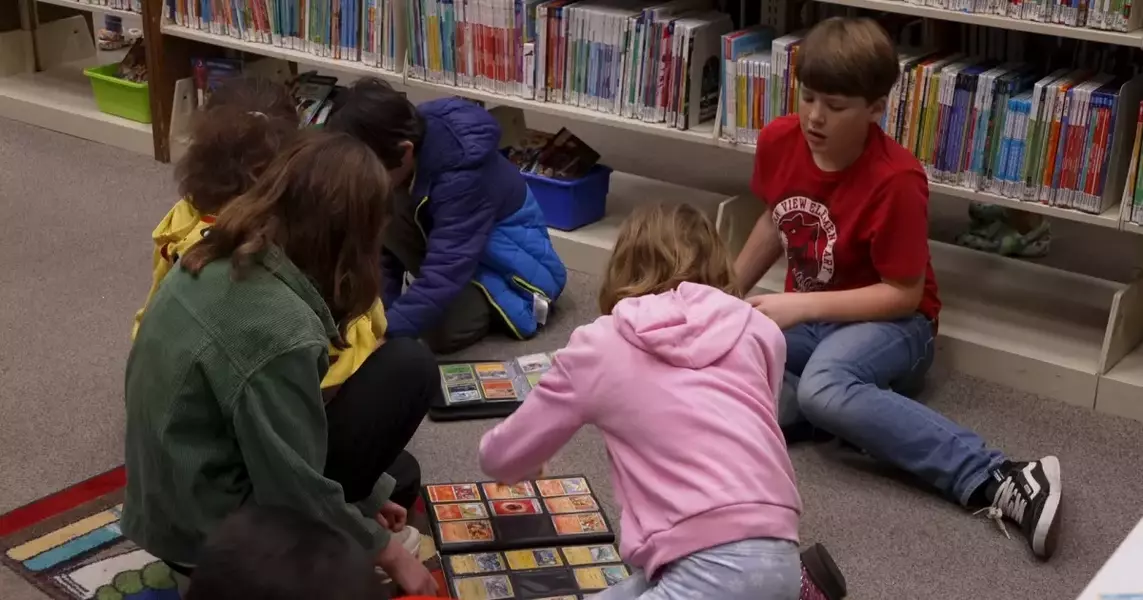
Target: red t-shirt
{"points": [[851, 228]]}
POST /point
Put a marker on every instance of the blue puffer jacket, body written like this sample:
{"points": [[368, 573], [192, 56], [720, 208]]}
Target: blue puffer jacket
{"points": [[482, 225]]}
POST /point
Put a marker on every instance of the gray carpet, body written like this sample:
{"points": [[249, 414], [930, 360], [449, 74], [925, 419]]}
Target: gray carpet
{"points": [[74, 255]]}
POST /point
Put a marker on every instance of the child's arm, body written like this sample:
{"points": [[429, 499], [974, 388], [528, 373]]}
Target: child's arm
{"points": [[759, 253], [551, 414], [463, 218]]}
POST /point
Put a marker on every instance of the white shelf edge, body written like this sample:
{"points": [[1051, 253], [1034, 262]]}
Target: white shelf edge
{"points": [[1133, 39], [701, 135], [95, 8], [1132, 227]]}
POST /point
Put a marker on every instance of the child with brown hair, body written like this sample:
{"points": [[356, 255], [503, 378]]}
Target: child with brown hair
{"points": [[850, 207], [240, 130], [223, 385], [681, 376]]}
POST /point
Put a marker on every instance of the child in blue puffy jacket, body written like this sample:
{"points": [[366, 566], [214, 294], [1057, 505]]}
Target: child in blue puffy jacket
{"points": [[465, 224]]}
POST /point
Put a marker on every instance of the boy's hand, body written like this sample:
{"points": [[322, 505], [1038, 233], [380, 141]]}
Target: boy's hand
{"points": [[392, 516], [786, 310]]}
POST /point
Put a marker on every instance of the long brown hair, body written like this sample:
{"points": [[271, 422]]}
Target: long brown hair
{"points": [[241, 129], [324, 201], [660, 247]]}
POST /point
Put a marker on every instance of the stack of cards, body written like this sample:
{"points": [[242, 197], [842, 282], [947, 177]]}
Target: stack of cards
{"points": [[468, 517], [565, 573], [488, 389]]}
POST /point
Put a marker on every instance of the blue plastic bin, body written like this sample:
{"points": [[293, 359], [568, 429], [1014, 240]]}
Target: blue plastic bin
{"points": [[569, 205]]}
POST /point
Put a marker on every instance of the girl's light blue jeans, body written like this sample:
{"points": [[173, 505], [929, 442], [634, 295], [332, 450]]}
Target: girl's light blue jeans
{"points": [[845, 378], [758, 569]]}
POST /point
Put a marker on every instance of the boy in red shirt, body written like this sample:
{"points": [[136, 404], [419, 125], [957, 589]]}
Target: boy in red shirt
{"points": [[849, 205]]}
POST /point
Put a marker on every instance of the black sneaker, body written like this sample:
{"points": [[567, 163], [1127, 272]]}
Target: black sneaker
{"points": [[1028, 493], [821, 579]]}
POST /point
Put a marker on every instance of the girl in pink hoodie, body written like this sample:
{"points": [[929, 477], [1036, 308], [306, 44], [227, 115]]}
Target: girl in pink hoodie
{"points": [[680, 375]]}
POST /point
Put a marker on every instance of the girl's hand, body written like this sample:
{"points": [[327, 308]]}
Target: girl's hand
{"points": [[392, 516], [409, 573]]}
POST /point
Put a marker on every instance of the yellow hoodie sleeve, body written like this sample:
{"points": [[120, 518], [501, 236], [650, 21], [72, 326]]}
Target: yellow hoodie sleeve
{"points": [[363, 336], [180, 229]]}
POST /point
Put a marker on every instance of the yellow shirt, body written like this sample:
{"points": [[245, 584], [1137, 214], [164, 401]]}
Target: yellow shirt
{"points": [[183, 227]]}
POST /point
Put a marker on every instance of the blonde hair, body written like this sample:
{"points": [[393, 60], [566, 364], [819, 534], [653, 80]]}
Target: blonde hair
{"points": [[660, 247], [848, 56]]}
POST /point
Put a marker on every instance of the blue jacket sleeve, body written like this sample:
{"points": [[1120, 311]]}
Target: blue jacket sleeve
{"points": [[463, 217]]}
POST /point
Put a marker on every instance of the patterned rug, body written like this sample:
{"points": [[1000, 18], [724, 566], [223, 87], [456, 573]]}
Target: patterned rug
{"points": [[69, 546]]}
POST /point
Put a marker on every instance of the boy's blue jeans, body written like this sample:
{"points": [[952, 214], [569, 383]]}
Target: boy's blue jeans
{"points": [[844, 378]]}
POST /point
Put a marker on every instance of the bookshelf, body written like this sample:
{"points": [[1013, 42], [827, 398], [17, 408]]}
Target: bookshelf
{"points": [[44, 48], [92, 7], [1048, 331], [1133, 39]]}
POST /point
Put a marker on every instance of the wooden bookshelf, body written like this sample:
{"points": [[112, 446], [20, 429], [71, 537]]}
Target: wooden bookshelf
{"points": [[95, 8]]}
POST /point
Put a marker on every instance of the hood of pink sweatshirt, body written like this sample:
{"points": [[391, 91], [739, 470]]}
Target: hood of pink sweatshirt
{"points": [[690, 327], [683, 386]]}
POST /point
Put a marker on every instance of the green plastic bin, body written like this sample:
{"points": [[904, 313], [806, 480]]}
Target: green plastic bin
{"points": [[119, 97]]}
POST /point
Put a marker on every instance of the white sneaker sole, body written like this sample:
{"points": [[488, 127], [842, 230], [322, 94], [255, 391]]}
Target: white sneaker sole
{"points": [[1046, 534]]}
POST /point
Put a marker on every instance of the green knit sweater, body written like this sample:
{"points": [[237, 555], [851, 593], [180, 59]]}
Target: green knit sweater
{"points": [[224, 408]]}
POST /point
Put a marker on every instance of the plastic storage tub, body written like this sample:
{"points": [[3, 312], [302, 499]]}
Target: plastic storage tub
{"points": [[119, 97], [569, 205]]}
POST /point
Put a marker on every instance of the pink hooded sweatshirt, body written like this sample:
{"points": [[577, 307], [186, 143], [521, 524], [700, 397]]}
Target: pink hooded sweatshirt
{"points": [[683, 386]]}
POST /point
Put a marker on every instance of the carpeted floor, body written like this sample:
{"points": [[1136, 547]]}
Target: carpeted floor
{"points": [[74, 255]]}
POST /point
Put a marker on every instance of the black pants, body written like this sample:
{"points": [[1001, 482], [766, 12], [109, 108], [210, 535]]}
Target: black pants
{"points": [[465, 321], [373, 417]]}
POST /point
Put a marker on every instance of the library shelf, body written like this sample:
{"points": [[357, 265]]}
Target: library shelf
{"points": [[1035, 328], [700, 135], [94, 8], [1132, 227], [61, 99], [1119, 389], [1119, 38]]}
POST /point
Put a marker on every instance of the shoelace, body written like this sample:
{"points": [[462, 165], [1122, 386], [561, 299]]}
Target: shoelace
{"points": [[1008, 502]]}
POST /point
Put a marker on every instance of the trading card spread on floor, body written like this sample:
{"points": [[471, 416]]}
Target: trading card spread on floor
{"points": [[500, 491], [491, 370], [453, 492], [494, 587], [568, 597], [579, 524], [457, 512], [462, 532], [498, 389], [597, 578], [563, 487], [571, 504], [590, 555], [451, 374], [534, 363], [456, 393], [480, 562], [534, 558], [521, 506], [534, 379]]}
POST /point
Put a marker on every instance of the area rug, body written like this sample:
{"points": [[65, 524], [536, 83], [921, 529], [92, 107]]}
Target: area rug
{"points": [[69, 545]]}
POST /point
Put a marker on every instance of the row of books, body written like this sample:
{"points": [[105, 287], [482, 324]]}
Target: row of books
{"points": [[1005, 128], [368, 31], [1111, 15], [655, 61]]}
